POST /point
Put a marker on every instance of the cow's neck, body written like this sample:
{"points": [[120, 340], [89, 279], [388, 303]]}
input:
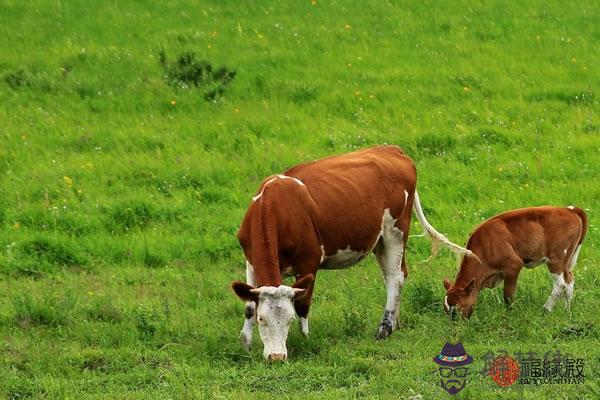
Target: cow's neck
{"points": [[265, 248], [267, 274]]}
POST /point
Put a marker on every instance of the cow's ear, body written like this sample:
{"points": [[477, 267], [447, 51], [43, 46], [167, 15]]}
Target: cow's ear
{"points": [[469, 288], [447, 284], [302, 284], [244, 291]]}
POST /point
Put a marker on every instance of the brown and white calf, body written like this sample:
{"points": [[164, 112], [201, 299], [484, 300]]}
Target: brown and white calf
{"points": [[506, 243], [326, 214]]}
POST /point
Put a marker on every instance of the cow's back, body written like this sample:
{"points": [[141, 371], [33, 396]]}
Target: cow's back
{"points": [[351, 192]]}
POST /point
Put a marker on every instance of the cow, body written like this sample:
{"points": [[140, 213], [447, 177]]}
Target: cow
{"points": [[501, 246], [326, 214]]}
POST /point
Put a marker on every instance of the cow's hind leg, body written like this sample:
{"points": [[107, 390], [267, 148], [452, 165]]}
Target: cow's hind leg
{"points": [[390, 257], [246, 333]]}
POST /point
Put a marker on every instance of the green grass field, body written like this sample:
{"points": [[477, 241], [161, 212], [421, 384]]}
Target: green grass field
{"points": [[126, 166]]}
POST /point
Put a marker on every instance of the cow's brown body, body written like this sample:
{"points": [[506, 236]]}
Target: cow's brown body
{"points": [[295, 228], [526, 237], [339, 205]]}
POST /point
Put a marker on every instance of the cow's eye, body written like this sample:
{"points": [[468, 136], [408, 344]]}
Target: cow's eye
{"points": [[261, 320]]}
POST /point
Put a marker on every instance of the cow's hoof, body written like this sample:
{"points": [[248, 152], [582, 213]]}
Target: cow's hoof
{"points": [[546, 310], [383, 332]]}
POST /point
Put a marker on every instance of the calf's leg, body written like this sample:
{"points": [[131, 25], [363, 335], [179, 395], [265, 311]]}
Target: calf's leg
{"points": [[557, 272], [570, 281], [511, 275]]}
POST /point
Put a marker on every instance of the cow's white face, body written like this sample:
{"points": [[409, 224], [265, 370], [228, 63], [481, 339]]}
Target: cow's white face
{"points": [[274, 314]]}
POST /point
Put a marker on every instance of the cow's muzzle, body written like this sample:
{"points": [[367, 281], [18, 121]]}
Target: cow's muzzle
{"points": [[277, 357]]}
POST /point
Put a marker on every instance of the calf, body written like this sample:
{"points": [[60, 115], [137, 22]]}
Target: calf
{"points": [[504, 244], [326, 214]]}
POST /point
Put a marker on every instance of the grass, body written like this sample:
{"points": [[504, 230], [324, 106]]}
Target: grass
{"points": [[134, 134]]}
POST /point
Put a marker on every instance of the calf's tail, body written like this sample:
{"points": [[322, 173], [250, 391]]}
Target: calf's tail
{"points": [[584, 221]]}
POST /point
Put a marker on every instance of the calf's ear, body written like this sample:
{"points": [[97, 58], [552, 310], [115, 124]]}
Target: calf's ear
{"points": [[244, 291], [302, 284], [447, 284]]}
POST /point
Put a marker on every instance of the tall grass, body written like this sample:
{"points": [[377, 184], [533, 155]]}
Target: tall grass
{"points": [[133, 136]]}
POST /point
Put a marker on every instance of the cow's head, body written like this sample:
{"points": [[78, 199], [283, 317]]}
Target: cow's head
{"points": [[274, 313], [460, 298]]}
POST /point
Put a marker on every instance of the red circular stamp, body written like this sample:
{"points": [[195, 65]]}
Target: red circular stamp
{"points": [[504, 371]]}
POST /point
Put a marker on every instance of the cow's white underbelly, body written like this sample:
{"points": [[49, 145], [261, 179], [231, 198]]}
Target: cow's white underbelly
{"points": [[347, 257], [342, 259]]}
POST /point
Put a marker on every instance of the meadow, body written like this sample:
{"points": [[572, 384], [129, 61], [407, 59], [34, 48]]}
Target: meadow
{"points": [[134, 134]]}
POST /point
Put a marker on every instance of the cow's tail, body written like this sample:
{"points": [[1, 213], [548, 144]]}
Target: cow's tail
{"points": [[437, 239]]}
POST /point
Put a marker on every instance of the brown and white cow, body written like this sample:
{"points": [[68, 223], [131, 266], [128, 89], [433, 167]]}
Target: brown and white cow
{"points": [[506, 243], [326, 214]]}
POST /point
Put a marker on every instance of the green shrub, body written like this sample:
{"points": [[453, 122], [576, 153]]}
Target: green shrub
{"points": [[187, 71]]}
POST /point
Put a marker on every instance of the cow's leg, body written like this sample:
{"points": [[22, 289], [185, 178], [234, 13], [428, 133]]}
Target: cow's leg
{"points": [[302, 306], [246, 334], [390, 257], [557, 271]]}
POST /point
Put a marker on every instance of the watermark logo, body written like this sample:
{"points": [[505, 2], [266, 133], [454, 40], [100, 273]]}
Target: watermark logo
{"points": [[504, 371], [453, 368], [529, 368]]}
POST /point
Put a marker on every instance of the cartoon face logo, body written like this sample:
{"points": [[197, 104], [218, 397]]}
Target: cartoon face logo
{"points": [[453, 363]]}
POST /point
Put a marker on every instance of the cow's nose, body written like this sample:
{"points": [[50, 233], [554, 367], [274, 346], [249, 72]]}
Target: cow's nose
{"points": [[277, 357]]}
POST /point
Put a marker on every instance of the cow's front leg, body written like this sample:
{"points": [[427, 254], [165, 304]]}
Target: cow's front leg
{"points": [[302, 306], [249, 310], [246, 333]]}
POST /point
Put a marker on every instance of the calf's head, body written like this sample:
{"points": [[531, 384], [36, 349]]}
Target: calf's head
{"points": [[274, 312], [460, 298]]}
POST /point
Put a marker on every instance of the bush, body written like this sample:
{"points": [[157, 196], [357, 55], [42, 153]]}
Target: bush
{"points": [[188, 72]]}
